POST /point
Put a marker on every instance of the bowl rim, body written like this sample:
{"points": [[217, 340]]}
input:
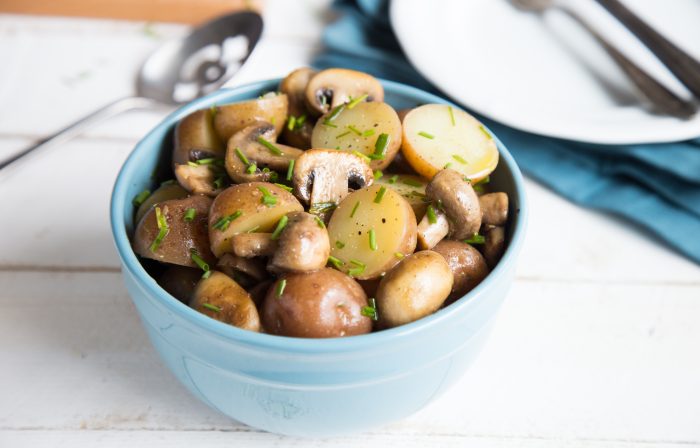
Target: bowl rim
{"points": [[230, 333]]}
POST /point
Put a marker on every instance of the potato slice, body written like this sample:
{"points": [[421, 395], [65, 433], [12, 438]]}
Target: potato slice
{"points": [[358, 128], [231, 118], [221, 298], [242, 206], [374, 210], [195, 138], [164, 193], [412, 188], [438, 135]]}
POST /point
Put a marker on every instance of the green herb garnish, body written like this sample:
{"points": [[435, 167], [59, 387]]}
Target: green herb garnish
{"points": [[368, 133], [272, 148], [211, 307], [140, 198], [242, 156], [411, 182], [362, 156], [291, 122], [460, 159], [372, 239], [190, 214], [280, 226], [430, 213], [452, 115], [354, 130], [342, 135], [252, 229], [447, 165], [163, 230], [399, 255], [476, 239], [219, 182], [337, 262], [380, 194], [251, 168], [320, 222], [370, 310], [322, 207], [378, 174], [334, 114], [354, 209], [339, 244], [199, 261], [380, 146], [290, 170], [358, 263], [280, 287], [210, 161], [426, 135], [267, 198], [355, 101], [284, 187], [223, 223], [354, 272], [393, 179], [485, 132]]}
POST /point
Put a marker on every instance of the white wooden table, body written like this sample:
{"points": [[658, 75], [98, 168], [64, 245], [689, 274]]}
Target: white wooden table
{"points": [[598, 344]]}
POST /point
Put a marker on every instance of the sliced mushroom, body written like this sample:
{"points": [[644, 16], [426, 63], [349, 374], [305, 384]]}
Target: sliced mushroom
{"points": [[456, 197], [297, 131], [429, 234], [249, 160], [334, 86], [201, 179], [303, 245], [324, 176], [494, 245], [494, 208], [230, 264], [248, 245]]}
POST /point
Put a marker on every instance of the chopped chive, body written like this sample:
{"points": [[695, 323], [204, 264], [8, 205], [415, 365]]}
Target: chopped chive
{"points": [[319, 222], [211, 307], [321, 207], [192, 164], [331, 125], [339, 244], [284, 187], [370, 310], [381, 145], [291, 122], [354, 130], [430, 213], [356, 101], [267, 198], [411, 182], [301, 119], [452, 115], [219, 182], [399, 255], [272, 148], [393, 179], [140, 198], [368, 133], [213, 110], [223, 223], [337, 262], [206, 274], [476, 239], [251, 168], [163, 230], [199, 261], [426, 135], [280, 226], [379, 195], [467, 180], [280, 287], [334, 114], [354, 209], [342, 135], [485, 132], [354, 272], [447, 165], [252, 229], [460, 159], [190, 214], [358, 263], [378, 174], [372, 239], [290, 169], [485, 180], [210, 161], [362, 156], [242, 156], [324, 101]]}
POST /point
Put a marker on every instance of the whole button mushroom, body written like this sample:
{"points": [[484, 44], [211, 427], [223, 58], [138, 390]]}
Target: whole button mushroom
{"points": [[467, 264], [415, 288], [494, 209], [334, 86], [320, 304], [298, 130]]}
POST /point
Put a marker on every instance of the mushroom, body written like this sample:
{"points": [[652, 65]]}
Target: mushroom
{"points": [[466, 263], [429, 234], [334, 86], [456, 198], [494, 208], [221, 298], [231, 265], [165, 192], [249, 245], [303, 245], [494, 244], [252, 153], [415, 288], [323, 176], [200, 179], [180, 281], [319, 304], [298, 130]]}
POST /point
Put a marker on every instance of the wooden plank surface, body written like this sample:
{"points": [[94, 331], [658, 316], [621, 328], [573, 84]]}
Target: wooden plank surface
{"points": [[596, 346]]}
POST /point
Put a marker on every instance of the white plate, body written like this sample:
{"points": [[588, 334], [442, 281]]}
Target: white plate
{"points": [[544, 73]]}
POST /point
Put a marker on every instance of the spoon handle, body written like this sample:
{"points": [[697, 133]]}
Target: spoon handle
{"points": [[685, 67], [70, 131], [663, 100]]}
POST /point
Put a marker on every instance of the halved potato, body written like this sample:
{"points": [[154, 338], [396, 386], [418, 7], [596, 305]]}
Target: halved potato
{"points": [[376, 210], [231, 118], [243, 207], [412, 188], [163, 193], [195, 138], [438, 135], [358, 129], [221, 298]]}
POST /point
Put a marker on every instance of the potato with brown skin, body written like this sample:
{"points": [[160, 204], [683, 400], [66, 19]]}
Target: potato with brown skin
{"points": [[244, 208], [412, 188], [297, 131], [182, 236], [415, 288], [180, 281], [231, 118], [221, 298], [467, 264], [164, 193], [195, 138], [319, 304]]}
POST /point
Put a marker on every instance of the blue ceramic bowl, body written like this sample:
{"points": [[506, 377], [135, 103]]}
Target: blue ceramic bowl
{"points": [[310, 387]]}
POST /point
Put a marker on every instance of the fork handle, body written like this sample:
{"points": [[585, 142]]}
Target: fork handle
{"points": [[685, 67]]}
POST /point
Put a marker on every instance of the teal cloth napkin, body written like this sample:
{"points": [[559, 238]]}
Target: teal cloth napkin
{"points": [[656, 186]]}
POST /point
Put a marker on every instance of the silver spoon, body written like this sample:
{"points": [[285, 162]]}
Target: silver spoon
{"points": [[177, 72], [661, 98]]}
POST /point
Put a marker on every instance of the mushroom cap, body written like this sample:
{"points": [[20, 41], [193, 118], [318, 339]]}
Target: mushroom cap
{"points": [[325, 175], [303, 245], [459, 202], [294, 85], [247, 142], [340, 85]]}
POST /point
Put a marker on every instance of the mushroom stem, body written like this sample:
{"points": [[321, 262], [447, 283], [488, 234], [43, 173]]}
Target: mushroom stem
{"points": [[229, 264], [249, 245], [459, 202], [431, 234]]}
